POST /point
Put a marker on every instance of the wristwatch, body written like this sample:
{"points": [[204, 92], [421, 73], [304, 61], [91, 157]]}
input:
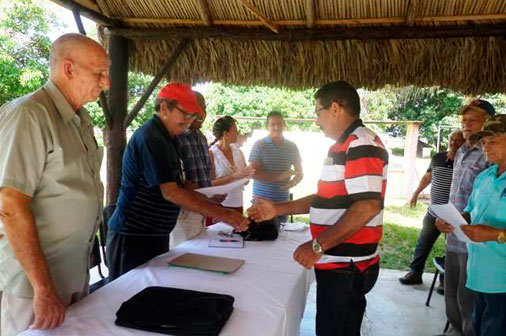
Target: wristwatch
{"points": [[501, 238], [317, 248]]}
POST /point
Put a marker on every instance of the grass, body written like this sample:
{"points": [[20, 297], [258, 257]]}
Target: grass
{"points": [[398, 245]]}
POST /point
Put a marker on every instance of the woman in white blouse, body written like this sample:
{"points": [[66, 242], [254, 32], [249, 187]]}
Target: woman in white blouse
{"points": [[227, 160]]}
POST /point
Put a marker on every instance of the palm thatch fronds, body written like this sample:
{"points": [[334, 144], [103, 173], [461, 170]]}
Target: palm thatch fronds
{"points": [[472, 65]]}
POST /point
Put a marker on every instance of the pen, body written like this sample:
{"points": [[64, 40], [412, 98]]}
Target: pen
{"points": [[229, 241]]}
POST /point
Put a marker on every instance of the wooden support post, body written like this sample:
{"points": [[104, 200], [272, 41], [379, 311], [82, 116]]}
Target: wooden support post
{"points": [[410, 147], [115, 137]]}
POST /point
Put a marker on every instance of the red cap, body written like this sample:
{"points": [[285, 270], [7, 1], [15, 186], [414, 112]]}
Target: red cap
{"points": [[183, 95]]}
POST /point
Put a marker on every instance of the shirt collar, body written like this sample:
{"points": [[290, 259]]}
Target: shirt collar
{"points": [[158, 123], [356, 124], [62, 105], [269, 140]]}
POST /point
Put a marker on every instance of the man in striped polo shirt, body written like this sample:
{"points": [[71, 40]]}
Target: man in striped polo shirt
{"points": [[439, 176], [273, 158], [346, 213]]}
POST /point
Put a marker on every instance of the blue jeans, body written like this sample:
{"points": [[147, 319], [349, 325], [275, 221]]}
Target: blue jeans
{"points": [[426, 239], [489, 314]]}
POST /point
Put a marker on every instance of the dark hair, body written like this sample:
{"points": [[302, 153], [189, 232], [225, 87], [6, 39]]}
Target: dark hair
{"points": [[221, 125], [274, 114], [170, 103], [341, 93]]}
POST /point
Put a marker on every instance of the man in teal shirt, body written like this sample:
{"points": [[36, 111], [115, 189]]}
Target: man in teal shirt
{"points": [[486, 265]]}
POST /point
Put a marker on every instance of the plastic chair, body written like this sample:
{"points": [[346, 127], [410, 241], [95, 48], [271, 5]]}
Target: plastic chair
{"points": [[440, 268], [98, 251]]}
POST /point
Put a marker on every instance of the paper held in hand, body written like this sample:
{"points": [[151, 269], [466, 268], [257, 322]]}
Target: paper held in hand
{"points": [[222, 189], [452, 216]]}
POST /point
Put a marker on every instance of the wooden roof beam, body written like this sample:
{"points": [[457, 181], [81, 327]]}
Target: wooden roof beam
{"points": [[320, 22], [90, 14], [262, 17], [205, 13], [310, 13], [348, 33]]}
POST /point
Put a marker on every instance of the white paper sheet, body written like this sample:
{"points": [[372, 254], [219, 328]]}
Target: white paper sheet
{"points": [[222, 189], [452, 216], [296, 226]]}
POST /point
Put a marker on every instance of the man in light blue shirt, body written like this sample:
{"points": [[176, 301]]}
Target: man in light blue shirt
{"points": [[486, 265], [486, 211]]}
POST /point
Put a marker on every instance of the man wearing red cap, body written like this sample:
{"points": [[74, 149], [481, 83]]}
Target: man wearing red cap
{"points": [[152, 186]]}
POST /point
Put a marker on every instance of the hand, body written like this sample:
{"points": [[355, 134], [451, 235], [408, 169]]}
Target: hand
{"points": [[236, 219], [48, 310], [305, 255], [244, 173], [189, 185], [443, 226], [480, 232], [263, 210], [413, 200], [287, 174], [217, 199]]}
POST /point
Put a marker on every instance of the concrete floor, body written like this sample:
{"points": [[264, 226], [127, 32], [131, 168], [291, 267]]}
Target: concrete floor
{"points": [[392, 309]]}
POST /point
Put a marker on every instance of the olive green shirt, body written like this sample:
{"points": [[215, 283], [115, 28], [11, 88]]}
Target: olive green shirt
{"points": [[49, 153]]}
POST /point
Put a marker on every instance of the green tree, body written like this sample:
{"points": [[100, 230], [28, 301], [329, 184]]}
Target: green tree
{"points": [[257, 101], [24, 47]]}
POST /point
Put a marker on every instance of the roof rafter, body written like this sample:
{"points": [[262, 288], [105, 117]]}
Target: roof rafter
{"points": [[412, 11], [89, 13], [310, 13], [205, 13], [258, 14]]}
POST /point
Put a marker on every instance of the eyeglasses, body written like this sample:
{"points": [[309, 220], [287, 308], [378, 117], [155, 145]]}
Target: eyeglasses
{"points": [[186, 115], [318, 111]]}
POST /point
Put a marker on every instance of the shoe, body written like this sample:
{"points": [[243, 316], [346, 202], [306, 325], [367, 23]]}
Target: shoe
{"points": [[441, 288], [411, 279]]}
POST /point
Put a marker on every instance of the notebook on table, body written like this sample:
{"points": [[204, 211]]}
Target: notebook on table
{"points": [[207, 263]]}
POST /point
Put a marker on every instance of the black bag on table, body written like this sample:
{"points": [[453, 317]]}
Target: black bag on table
{"points": [[176, 311], [266, 230]]}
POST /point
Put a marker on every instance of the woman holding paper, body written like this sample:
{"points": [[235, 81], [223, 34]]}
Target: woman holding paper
{"points": [[486, 213], [227, 161]]}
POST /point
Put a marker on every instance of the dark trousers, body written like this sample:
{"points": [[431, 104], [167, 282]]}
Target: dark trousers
{"points": [[340, 299], [126, 252], [489, 314], [426, 239]]}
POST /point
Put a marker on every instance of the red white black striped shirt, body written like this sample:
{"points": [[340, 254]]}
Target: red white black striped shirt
{"points": [[356, 170]]}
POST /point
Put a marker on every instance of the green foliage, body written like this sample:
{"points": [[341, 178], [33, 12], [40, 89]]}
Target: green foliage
{"points": [[24, 47], [398, 151], [257, 101], [398, 244], [137, 85]]}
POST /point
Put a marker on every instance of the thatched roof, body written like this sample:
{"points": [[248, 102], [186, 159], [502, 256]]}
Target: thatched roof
{"points": [[451, 43]]}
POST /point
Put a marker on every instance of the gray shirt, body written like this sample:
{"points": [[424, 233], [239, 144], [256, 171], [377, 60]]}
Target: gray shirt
{"points": [[468, 163], [49, 153]]}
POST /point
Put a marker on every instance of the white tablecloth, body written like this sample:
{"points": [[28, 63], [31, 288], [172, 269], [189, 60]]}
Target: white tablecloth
{"points": [[269, 289]]}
